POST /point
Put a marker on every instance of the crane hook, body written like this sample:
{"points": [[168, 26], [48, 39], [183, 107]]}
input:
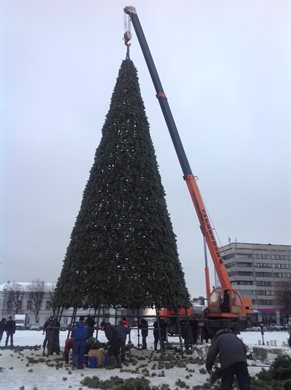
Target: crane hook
{"points": [[127, 38], [127, 35]]}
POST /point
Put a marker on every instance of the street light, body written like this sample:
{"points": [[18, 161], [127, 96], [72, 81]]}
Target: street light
{"points": [[262, 333], [4, 297]]}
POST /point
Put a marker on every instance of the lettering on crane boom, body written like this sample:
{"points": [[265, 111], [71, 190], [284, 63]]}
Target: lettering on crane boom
{"points": [[209, 229]]}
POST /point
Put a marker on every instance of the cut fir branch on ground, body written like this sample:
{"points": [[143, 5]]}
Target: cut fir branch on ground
{"points": [[278, 377], [116, 383]]}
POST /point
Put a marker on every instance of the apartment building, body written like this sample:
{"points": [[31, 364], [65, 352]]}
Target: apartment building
{"points": [[256, 270]]}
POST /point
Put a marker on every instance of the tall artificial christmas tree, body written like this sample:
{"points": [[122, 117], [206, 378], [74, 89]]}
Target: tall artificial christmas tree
{"points": [[123, 250]]}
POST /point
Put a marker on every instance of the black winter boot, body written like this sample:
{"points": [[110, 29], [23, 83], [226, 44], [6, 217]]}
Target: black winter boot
{"points": [[112, 362], [118, 362]]}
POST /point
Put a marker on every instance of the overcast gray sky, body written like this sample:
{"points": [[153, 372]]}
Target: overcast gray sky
{"points": [[225, 67]]}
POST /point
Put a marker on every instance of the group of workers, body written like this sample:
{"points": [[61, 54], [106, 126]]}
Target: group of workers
{"points": [[9, 327], [226, 345], [80, 341]]}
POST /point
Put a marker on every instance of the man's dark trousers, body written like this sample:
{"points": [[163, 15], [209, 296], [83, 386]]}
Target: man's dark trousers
{"points": [[240, 371]]}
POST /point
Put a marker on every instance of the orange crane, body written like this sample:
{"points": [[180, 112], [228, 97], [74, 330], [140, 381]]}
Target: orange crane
{"points": [[226, 308]]}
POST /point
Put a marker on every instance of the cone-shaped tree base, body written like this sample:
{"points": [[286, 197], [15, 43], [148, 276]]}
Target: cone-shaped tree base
{"points": [[123, 250]]}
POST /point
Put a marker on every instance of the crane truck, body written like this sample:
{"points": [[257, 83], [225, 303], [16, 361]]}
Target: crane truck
{"points": [[225, 307]]}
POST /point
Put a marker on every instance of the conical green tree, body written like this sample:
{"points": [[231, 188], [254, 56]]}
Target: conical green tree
{"points": [[122, 249]]}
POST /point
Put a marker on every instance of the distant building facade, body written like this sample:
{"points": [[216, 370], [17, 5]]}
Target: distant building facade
{"points": [[34, 300], [19, 298], [256, 271]]}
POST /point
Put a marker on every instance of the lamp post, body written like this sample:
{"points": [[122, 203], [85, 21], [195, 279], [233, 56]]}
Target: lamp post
{"points": [[4, 298], [262, 333]]}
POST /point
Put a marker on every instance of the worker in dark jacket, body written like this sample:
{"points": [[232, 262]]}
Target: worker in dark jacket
{"points": [[2, 327], [90, 323], [53, 337], [80, 335], [124, 330], [163, 326], [160, 333], [46, 325], [114, 337], [186, 334], [10, 328], [144, 326], [232, 356]]}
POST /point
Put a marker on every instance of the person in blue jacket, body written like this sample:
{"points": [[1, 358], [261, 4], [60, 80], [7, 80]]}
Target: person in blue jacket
{"points": [[80, 335]]}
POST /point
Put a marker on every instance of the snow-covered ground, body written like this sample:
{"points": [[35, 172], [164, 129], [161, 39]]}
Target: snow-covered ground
{"points": [[16, 372]]}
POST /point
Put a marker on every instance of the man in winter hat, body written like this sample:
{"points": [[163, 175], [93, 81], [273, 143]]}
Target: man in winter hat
{"points": [[232, 356], [115, 343]]}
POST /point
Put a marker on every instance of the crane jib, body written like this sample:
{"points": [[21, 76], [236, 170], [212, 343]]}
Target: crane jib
{"points": [[206, 227], [231, 313], [160, 92], [174, 133]]}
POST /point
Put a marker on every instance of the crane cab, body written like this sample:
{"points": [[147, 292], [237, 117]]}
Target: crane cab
{"points": [[227, 303]]}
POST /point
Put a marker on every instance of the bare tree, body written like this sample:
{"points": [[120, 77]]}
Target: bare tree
{"points": [[283, 295], [36, 295], [51, 293], [15, 293]]}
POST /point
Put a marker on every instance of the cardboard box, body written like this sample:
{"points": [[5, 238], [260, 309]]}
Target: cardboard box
{"points": [[99, 354]]}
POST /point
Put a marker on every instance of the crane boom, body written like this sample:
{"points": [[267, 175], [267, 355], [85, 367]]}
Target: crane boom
{"points": [[226, 308], [205, 225]]}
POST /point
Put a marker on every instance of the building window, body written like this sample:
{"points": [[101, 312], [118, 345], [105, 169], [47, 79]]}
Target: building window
{"points": [[244, 256], [19, 304], [245, 273], [263, 265], [29, 305], [282, 275], [241, 264], [281, 284], [265, 292], [247, 293], [244, 282], [9, 305], [230, 256], [264, 274], [266, 302], [48, 305], [264, 283], [269, 292], [283, 266]]}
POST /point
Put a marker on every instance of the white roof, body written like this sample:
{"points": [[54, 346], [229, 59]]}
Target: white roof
{"points": [[25, 285]]}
